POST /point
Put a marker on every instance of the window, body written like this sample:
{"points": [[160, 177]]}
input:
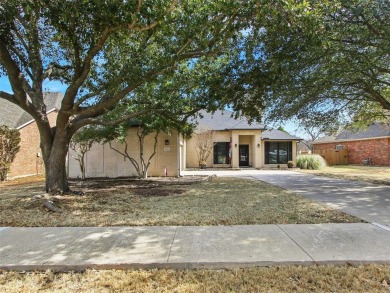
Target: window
{"points": [[221, 153], [278, 152]]}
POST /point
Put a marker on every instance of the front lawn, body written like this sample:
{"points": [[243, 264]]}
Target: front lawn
{"points": [[372, 278], [378, 175], [219, 201]]}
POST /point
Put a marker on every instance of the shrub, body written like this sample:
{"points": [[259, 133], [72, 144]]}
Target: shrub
{"points": [[9, 146], [312, 162]]}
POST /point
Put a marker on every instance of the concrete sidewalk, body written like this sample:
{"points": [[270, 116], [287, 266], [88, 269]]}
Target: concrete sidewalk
{"points": [[191, 247]]}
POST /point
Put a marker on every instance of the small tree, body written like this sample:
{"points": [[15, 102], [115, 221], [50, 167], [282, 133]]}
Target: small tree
{"points": [[204, 143], [150, 124], [9, 147], [143, 164], [147, 125], [81, 145]]}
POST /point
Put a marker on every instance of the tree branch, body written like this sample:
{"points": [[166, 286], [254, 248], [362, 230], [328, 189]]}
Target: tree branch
{"points": [[378, 97], [94, 50], [19, 84], [80, 122], [8, 97], [126, 154]]}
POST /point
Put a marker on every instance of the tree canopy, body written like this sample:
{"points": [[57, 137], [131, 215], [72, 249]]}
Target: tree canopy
{"points": [[104, 52], [324, 61]]}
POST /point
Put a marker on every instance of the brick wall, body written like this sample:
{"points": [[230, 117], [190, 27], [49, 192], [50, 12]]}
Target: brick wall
{"points": [[358, 150], [26, 161]]}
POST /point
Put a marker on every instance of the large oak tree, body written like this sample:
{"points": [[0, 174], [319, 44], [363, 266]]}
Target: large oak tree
{"points": [[103, 51]]}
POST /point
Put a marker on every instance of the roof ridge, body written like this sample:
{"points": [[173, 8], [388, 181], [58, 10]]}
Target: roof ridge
{"points": [[14, 117]]}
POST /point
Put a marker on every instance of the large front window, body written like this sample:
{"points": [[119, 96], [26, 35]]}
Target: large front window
{"points": [[221, 153], [278, 152]]}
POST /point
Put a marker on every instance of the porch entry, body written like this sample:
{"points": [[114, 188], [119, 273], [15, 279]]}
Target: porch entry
{"points": [[244, 155]]}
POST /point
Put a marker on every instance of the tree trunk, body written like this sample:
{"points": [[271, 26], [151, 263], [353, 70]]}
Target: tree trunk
{"points": [[55, 164], [144, 173], [82, 167]]}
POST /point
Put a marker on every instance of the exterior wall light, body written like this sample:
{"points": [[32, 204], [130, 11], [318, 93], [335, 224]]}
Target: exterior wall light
{"points": [[235, 145], [258, 145], [166, 142]]}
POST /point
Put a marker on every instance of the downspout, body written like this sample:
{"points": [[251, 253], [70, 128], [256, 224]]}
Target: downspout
{"points": [[67, 171]]}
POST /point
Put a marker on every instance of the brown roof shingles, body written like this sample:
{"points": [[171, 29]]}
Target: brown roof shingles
{"points": [[375, 130]]}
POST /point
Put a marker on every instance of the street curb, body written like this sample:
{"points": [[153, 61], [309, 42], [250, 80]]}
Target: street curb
{"points": [[381, 226], [185, 266]]}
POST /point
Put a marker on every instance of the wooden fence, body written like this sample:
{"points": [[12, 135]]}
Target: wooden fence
{"points": [[334, 157]]}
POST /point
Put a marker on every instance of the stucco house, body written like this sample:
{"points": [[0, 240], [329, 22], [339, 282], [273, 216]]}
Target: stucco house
{"points": [[373, 143], [236, 144], [28, 160]]}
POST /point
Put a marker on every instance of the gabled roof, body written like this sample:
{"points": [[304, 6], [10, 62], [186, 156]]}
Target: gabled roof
{"points": [[13, 116], [375, 130], [223, 120], [274, 134]]}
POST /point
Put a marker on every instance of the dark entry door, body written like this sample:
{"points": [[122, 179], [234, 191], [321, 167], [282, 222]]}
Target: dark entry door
{"points": [[244, 155]]}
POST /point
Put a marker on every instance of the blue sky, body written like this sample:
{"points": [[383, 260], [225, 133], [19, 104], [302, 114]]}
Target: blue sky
{"points": [[4, 85], [49, 86]]}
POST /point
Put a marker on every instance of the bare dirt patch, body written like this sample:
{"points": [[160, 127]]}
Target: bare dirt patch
{"points": [[132, 202]]}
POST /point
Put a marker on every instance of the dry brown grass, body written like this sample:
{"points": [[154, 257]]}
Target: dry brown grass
{"points": [[23, 180], [219, 201], [378, 175], [372, 278]]}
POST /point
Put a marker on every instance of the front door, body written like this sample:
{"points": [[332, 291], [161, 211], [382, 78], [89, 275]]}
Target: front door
{"points": [[244, 155]]}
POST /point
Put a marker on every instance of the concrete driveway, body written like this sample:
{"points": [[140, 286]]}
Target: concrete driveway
{"points": [[370, 202]]}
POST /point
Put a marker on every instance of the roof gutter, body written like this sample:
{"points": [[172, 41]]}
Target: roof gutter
{"points": [[281, 139], [245, 129], [32, 120], [351, 139]]}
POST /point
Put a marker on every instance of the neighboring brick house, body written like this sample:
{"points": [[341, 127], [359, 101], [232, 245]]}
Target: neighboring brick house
{"points": [[236, 144], [373, 143], [28, 160]]}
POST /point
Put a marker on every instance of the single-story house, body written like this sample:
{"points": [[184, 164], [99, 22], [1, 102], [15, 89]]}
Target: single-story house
{"points": [[236, 144], [373, 143], [28, 160]]}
